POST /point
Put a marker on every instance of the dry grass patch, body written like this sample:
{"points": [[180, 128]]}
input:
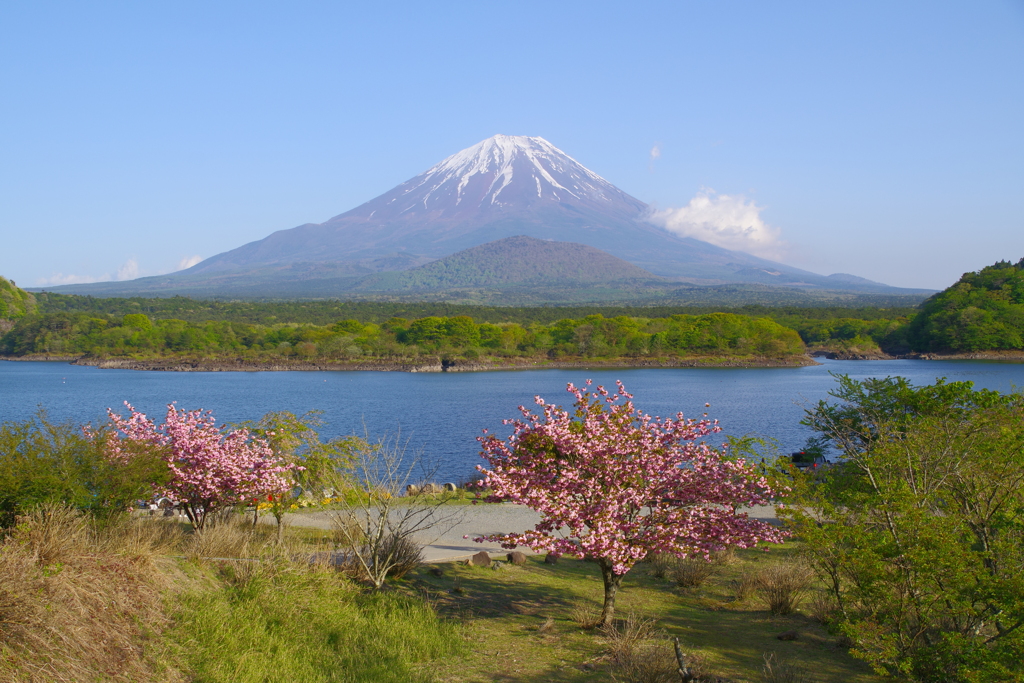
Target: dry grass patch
{"points": [[79, 603]]}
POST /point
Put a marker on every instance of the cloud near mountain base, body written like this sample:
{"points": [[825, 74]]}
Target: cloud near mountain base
{"points": [[728, 221]]}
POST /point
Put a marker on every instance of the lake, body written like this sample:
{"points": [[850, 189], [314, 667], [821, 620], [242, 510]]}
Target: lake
{"points": [[441, 414]]}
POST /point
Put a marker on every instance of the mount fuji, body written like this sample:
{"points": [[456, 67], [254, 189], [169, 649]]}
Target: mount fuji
{"points": [[505, 186]]}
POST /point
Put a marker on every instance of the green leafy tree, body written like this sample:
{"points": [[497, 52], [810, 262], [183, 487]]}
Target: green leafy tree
{"points": [[42, 462], [321, 468], [919, 532]]}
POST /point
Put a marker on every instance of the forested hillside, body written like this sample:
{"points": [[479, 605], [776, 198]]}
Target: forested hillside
{"points": [[983, 311]]}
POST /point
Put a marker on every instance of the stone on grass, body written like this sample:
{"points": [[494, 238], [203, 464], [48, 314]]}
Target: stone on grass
{"points": [[412, 490], [787, 635], [551, 558], [481, 559], [517, 558], [450, 487]]}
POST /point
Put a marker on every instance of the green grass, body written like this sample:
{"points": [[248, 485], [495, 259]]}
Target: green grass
{"points": [[268, 624], [502, 611]]}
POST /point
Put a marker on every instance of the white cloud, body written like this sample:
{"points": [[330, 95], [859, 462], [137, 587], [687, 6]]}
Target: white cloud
{"points": [[729, 221], [188, 262], [656, 151], [62, 279], [128, 271]]}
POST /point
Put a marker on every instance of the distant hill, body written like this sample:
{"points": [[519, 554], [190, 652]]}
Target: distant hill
{"points": [[502, 187], [513, 261]]}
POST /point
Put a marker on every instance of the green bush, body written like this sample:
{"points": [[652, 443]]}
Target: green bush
{"points": [[42, 462]]}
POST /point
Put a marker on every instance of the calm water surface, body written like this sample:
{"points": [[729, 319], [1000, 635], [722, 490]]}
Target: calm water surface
{"points": [[443, 413]]}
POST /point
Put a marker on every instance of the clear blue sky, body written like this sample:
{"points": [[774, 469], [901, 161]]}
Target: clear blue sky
{"points": [[883, 139]]}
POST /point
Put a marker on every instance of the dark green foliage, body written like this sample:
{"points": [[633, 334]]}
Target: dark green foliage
{"points": [[325, 312], [922, 543], [42, 462], [982, 311]]}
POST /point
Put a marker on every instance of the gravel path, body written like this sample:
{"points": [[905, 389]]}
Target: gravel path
{"points": [[446, 544]]}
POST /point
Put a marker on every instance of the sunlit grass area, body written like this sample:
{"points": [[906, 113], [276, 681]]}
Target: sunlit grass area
{"points": [[143, 600]]}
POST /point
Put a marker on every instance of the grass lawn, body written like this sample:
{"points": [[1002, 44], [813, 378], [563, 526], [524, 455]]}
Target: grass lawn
{"points": [[504, 611]]}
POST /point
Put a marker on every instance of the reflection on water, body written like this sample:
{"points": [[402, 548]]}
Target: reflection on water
{"points": [[443, 413]]}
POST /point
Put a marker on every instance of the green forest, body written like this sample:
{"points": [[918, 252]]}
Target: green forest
{"points": [[983, 311], [593, 336]]}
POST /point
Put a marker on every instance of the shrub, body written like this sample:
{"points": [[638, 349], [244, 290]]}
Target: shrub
{"points": [[584, 615], [42, 462], [692, 572], [781, 586], [628, 634], [780, 670], [648, 662], [661, 564]]}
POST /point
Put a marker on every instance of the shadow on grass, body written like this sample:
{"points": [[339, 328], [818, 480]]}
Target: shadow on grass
{"points": [[503, 611]]}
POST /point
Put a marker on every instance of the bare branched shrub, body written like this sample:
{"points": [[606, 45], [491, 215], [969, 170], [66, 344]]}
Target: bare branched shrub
{"points": [[585, 615], [823, 606], [400, 553], [661, 564], [627, 634], [781, 586], [692, 572], [377, 524], [746, 584], [780, 670], [725, 557], [648, 662]]}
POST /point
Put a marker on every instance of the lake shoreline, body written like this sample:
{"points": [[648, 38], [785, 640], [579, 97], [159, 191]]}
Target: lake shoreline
{"points": [[427, 365], [1009, 356]]}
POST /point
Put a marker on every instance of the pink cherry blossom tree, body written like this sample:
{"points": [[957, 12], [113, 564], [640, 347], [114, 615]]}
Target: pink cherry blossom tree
{"points": [[613, 484], [210, 468]]}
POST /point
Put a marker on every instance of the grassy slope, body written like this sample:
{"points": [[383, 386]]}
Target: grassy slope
{"points": [[84, 605], [503, 610]]}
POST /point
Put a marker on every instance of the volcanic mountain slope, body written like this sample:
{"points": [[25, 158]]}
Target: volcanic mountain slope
{"points": [[502, 187]]}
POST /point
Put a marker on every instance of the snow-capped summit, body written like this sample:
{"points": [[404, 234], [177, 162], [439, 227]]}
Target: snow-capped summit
{"points": [[482, 172], [501, 172]]}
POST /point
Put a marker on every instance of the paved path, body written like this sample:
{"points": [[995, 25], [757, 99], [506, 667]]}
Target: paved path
{"points": [[443, 545]]}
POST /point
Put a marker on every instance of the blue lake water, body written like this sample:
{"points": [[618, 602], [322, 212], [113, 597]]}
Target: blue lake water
{"points": [[441, 414]]}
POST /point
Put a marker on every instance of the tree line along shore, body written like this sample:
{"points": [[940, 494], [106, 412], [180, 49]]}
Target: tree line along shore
{"points": [[981, 315]]}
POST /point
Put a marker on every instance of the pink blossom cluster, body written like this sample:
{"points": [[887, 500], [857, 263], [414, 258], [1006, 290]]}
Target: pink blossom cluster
{"points": [[210, 468], [615, 484]]}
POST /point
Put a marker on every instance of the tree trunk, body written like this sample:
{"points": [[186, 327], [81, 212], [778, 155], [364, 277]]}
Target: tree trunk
{"points": [[612, 581]]}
